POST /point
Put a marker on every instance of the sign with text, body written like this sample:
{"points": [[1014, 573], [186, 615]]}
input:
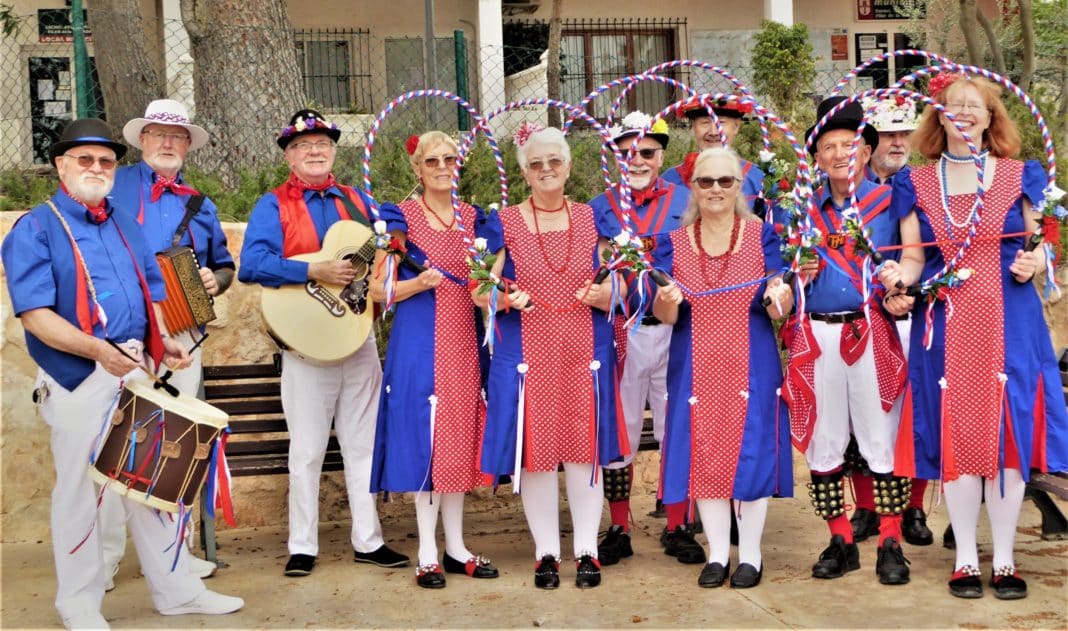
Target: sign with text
{"points": [[54, 26], [891, 9]]}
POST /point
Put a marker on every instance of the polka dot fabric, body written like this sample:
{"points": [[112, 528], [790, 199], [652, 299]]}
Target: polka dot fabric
{"points": [[975, 345], [557, 339], [460, 412], [720, 351]]}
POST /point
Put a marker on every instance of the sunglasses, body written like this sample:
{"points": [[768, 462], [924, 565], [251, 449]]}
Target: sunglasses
{"points": [[647, 154], [537, 165], [86, 161], [434, 162], [727, 181]]}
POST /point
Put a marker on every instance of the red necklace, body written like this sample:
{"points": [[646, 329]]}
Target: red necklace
{"points": [[723, 259], [446, 226], [541, 243]]}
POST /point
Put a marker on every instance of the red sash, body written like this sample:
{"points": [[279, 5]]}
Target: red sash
{"points": [[298, 230]]}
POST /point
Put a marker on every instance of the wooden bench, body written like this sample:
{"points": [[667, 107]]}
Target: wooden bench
{"points": [[259, 443]]}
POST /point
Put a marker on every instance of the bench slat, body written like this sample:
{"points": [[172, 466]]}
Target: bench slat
{"points": [[239, 407], [242, 371], [237, 390]]}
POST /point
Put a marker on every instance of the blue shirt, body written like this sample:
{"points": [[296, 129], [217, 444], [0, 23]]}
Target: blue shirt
{"points": [[132, 195], [41, 273], [836, 287], [261, 255]]}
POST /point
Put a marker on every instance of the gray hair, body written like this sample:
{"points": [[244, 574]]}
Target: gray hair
{"points": [[547, 136], [741, 207]]}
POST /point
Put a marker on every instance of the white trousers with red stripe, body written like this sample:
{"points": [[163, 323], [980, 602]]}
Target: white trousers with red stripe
{"points": [[75, 418], [644, 381], [314, 395], [844, 392]]}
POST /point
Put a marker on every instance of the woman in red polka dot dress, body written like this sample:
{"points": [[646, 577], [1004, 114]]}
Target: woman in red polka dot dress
{"points": [[727, 433], [431, 412], [552, 381], [986, 405]]}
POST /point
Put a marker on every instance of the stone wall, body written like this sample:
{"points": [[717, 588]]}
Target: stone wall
{"points": [[237, 337]]}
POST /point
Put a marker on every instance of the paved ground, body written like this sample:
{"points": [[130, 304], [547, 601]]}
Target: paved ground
{"points": [[649, 590]]}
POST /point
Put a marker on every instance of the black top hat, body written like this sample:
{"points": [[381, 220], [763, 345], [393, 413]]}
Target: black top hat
{"points": [[849, 117], [307, 122], [85, 131]]}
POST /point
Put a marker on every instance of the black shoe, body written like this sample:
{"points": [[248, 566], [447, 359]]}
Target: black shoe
{"points": [[614, 546], [547, 573], [865, 524], [430, 576], [681, 545], [714, 574], [914, 528], [949, 541], [588, 572], [300, 565], [891, 564], [382, 557], [475, 567], [746, 576], [965, 583], [658, 511], [837, 559], [1008, 586]]}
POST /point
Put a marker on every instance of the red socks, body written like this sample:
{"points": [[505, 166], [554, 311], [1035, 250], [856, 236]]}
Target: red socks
{"points": [[889, 526], [840, 526], [620, 512], [676, 515], [919, 489], [862, 491]]}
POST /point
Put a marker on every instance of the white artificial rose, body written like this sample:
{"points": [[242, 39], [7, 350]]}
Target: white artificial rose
{"points": [[766, 156], [622, 239], [481, 244], [380, 227]]}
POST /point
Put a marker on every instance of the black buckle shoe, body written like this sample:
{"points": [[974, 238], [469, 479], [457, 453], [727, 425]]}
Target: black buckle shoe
{"points": [[300, 565], [547, 573], [382, 557], [587, 572], [614, 546], [865, 524], [837, 559], [430, 576], [891, 564], [949, 540], [746, 576], [1007, 583], [476, 567], [714, 574], [914, 527], [681, 545], [965, 583]]}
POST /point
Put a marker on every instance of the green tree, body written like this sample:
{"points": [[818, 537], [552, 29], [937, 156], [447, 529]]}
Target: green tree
{"points": [[783, 65]]}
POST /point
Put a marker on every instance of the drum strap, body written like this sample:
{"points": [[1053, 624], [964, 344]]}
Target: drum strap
{"points": [[86, 317]]}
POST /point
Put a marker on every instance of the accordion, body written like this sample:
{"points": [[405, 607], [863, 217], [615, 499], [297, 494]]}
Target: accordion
{"points": [[188, 304]]}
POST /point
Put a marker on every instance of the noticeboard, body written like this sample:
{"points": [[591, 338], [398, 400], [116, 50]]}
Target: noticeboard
{"points": [[54, 26]]}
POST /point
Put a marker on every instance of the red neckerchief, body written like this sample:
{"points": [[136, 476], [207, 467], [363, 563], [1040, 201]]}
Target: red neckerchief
{"points": [[96, 214], [644, 224], [686, 168], [164, 183], [297, 186], [647, 195]]}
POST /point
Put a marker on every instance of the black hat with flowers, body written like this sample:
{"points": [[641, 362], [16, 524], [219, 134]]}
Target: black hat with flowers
{"points": [[307, 122]]}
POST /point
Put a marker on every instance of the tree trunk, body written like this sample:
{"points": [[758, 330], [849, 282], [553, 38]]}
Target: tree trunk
{"points": [[246, 81], [992, 38], [128, 77], [552, 71], [1027, 43], [968, 22]]}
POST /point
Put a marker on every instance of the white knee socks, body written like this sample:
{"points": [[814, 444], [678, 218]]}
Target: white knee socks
{"points": [[963, 497], [541, 504], [1003, 513], [452, 521], [585, 503], [716, 518], [426, 521]]}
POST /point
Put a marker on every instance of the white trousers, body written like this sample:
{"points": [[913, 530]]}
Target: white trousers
{"points": [[313, 396], [644, 380], [75, 419], [112, 524], [844, 392]]}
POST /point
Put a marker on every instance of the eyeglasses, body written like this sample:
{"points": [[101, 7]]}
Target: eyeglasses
{"points": [[163, 136], [86, 161], [727, 181], [433, 162], [955, 108], [321, 145], [647, 154], [537, 165]]}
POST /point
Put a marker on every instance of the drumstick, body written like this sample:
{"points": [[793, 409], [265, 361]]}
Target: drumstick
{"points": [[157, 382]]}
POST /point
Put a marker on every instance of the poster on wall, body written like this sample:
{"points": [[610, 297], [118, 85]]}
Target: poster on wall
{"points": [[891, 9], [840, 45]]}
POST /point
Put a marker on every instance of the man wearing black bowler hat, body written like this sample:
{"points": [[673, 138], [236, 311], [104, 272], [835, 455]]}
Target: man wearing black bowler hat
{"points": [[86, 288]]}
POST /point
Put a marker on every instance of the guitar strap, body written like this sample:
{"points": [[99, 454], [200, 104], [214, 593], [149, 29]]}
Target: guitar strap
{"points": [[355, 213]]}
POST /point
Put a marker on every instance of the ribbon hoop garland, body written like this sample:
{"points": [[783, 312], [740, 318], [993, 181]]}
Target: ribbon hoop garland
{"points": [[382, 239]]}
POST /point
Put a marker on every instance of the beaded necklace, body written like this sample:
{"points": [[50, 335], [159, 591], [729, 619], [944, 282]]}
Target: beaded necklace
{"points": [[541, 243], [943, 184], [723, 259], [446, 226]]}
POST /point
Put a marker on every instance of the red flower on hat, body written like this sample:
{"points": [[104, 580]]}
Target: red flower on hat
{"points": [[411, 144], [899, 100], [941, 81], [522, 135]]}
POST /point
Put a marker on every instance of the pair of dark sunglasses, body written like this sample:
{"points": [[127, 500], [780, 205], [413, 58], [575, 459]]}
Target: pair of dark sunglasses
{"points": [[86, 161], [554, 163], [647, 154], [434, 162], [727, 181]]}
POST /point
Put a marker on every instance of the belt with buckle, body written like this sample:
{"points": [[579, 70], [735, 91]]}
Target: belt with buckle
{"points": [[650, 320], [837, 318]]}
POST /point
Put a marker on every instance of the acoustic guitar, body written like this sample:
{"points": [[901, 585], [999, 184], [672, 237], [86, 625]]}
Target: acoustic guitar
{"points": [[322, 322]]}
